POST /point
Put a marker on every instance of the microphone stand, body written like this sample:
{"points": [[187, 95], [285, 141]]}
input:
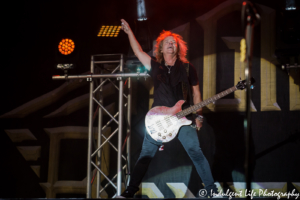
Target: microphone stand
{"points": [[252, 19]]}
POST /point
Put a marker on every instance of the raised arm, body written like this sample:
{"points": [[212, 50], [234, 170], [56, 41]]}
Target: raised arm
{"points": [[136, 47]]}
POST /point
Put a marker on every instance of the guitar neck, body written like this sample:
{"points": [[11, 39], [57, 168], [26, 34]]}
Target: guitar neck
{"points": [[196, 107]]}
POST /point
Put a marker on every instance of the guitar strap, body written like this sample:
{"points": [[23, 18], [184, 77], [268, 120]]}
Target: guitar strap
{"points": [[186, 90]]}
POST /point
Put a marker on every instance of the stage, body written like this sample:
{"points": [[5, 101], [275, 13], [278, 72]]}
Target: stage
{"points": [[75, 96]]}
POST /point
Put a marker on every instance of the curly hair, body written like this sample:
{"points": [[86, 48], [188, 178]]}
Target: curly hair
{"points": [[181, 50]]}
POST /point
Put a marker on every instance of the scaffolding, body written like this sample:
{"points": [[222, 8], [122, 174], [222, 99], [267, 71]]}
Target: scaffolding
{"points": [[119, 74]]}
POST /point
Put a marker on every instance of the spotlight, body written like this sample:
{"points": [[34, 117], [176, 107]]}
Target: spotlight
{"points": [[287, 67], [65, 53], [291, 5], [141, 10], [134, 65], [109, 31], [66, 46], [64, 66]]}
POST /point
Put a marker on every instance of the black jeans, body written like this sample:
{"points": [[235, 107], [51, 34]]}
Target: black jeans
{"points": [[189, 140]]}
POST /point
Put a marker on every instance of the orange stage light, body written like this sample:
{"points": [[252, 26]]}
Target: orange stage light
{"points": [[66, 46]]}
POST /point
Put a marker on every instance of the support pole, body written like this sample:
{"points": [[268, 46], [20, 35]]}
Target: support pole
{"points": [[100, 114], [90, 76], [90, 132], [128, 131], [119, 159]]}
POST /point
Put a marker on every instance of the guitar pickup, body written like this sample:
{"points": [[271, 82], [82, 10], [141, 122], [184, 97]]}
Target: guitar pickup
{"points": [[168, 121]]}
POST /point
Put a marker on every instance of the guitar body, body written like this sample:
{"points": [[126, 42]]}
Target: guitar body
{"points": [[162, 123]]}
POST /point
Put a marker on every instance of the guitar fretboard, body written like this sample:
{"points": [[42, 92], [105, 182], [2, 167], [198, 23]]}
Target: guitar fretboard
{"points": [[193, 108]]}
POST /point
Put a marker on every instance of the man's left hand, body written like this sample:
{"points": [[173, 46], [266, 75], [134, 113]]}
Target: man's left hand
{"points": [[198, 124]]}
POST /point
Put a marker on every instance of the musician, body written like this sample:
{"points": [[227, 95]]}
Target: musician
{"points": [[168, 72]]}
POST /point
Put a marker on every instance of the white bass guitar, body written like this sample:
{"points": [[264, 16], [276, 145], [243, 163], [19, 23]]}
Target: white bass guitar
{"points": [[163, 123]]}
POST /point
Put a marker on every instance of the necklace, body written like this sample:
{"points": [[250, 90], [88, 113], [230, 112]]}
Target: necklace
{"points": [[169, 68]]}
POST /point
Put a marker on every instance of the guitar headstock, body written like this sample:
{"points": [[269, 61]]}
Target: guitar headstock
{"points": [[242, 84]]}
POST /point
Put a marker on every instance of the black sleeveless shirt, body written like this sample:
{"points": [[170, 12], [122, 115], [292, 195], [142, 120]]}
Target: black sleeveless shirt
{"points": [[168, 87]]}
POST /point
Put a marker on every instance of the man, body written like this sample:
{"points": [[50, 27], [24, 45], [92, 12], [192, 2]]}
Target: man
{"points": [[168, 72]]}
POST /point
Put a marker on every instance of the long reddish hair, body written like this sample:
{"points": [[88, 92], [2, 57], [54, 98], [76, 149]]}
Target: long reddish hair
{"points": [[181, 50]]}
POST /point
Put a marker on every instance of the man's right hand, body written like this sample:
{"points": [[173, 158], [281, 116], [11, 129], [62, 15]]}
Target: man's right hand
{"points": [[125, 27]]}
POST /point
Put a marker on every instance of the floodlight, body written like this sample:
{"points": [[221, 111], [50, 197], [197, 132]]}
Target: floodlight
{"points": [[109, 31], [66, 46]]}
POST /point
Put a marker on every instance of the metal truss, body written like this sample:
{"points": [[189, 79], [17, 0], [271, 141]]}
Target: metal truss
{"points": [[118, 130], [97, 97]]}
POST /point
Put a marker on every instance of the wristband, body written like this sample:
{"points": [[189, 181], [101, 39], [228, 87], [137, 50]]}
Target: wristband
{"points": [[199, 117]]}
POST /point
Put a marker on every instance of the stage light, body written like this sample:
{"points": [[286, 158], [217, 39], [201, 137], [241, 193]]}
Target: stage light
{"points": [[141, 10], [290, 8], [66, 46], [109, 31], [290, 5]]}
